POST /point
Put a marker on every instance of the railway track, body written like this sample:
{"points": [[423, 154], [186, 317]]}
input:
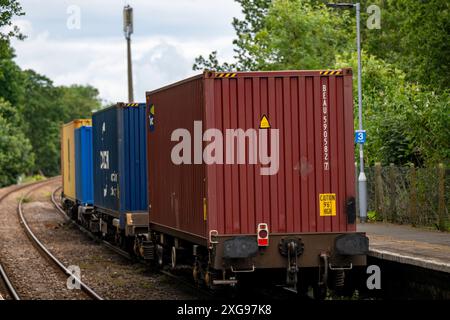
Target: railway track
{"points": [[90, 292], [83, 229], [119, 251], [47, 256], [7, 283], [278, 291]]}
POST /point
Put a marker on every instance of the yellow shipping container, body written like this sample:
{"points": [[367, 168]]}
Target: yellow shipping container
{"points": [[68, 155]]}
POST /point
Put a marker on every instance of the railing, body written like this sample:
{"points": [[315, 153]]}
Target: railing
{"points": [[409, 195]]}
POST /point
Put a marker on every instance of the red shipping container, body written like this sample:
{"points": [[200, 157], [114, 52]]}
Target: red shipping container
{"points": [[310, 187]]}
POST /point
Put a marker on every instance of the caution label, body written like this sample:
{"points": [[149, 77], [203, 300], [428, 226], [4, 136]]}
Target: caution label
{"points": [[327, 204], [264, 123], [205, 210]]}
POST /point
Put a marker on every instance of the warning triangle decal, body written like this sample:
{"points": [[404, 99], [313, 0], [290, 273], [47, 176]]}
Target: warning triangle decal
{"points": [[264, 123]]}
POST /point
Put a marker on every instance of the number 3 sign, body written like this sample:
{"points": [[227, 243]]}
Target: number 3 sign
{"points": [[360, 136]]}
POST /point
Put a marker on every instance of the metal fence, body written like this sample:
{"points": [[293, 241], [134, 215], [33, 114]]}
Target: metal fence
{"points": [[409, 195]]}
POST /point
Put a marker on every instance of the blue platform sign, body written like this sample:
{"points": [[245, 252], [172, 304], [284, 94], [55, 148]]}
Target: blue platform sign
{"points": [[360, 136]]}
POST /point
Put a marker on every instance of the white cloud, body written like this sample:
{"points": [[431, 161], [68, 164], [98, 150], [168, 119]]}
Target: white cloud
{"points": [[168, 36], [157, 61]]}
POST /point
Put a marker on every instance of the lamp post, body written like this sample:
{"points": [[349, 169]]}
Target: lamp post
{"points": [[362, 179], [128, 30]]}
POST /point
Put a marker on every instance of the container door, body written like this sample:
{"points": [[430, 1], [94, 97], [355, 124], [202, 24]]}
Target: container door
{"points": [[105, 159]]}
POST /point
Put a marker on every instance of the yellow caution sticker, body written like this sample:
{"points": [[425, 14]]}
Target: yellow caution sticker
{"points": [[264, 123], [331, 73], [327, 204], [225, 75]]}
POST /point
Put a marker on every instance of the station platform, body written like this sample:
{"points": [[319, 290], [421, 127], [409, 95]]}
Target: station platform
{"points": [[408, 245]]}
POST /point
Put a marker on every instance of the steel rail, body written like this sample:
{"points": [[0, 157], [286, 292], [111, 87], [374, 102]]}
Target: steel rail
{"points": [[118, 250], [4, 276], [84, 230], [90, 292]]}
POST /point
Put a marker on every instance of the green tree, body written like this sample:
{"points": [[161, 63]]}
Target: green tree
{"points": [[45, 108], [11, 76], [9, 9], [405, 65], [16, 156], [32, 109], [42, 115], [212, 63], [246, 29], [78, 101], [414, 36], [405, 122], [285, 34], [300, 34]]}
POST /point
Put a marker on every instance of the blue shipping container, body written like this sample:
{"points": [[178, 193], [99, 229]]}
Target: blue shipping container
{"points": [[120, 159], [83, 166]]}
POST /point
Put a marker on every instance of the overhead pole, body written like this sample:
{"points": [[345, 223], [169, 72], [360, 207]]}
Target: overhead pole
{"points": [[362, 179], [128, 30]]}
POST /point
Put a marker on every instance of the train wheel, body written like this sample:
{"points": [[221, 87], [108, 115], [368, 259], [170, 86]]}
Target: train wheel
{"points": [[159, 253], [196, 272], [208, 279], [118, 239], [319, 292], [128, 244], [173, 256], [74, 213]]}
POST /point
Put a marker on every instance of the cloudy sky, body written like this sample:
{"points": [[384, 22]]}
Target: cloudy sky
{"points": [[168, 35]]}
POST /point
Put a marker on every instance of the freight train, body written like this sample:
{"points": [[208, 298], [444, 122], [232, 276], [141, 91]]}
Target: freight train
{"points": [[234, 174]]}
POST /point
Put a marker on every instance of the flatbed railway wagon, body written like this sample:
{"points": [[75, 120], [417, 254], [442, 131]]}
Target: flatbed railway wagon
{"points": [[120, 173], [254, 172], [76, 165]]}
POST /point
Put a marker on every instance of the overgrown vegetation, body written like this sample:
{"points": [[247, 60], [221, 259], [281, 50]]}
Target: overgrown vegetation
{"points": [[406, 63], [32, 110], [409, 195]]}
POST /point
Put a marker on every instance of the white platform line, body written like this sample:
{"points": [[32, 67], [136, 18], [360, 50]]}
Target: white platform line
{"points": [[416, 261]]}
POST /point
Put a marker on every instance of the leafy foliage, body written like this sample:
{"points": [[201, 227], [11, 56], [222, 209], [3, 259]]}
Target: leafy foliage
{"points": [[16, 156], [45, 108], [212, 63], [300, 35], [11, 77], [78, 101], [32, 110], [246, 29], [405, 122], [405, 65], [414, 36], [41, 114], [9, 9]]}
